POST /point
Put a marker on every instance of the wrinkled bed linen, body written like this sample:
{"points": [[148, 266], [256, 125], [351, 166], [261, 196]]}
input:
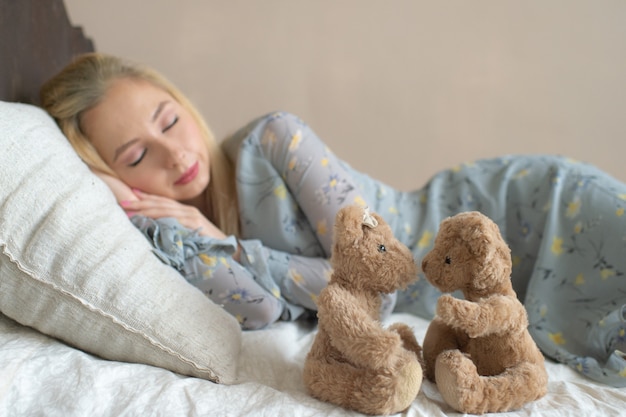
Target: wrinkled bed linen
{"points": [[41, 376]]}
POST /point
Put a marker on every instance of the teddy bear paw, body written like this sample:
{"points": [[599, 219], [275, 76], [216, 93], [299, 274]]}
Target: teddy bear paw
{"points": [[458, 381], [409, 342], [461, 314], [451, 309], [409, 383]]}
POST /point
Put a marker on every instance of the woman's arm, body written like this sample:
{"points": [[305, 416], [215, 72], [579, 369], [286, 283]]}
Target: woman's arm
{"points": [[314, 175], [209, 265]]}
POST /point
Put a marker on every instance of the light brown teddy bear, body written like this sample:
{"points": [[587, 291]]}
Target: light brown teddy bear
{"points": [[354, 362], [478, 350]]}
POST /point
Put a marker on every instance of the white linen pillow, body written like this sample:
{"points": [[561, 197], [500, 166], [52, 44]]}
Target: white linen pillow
{"points": [[73, 267]]}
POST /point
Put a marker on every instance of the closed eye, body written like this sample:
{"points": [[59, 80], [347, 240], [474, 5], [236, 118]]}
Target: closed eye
{"points": [[169, 126], [138, 160]]}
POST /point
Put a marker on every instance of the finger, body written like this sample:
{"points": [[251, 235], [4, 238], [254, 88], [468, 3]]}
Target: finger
{"points": [[136, 207], [159, 209], [142, 195], [129, 204], [148, 200]]}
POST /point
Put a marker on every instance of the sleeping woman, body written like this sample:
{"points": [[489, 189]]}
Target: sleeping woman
{"points": [[249, 220]]}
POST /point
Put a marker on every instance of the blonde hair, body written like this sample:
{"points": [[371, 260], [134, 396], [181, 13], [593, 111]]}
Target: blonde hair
{"points": [[84, 82]]}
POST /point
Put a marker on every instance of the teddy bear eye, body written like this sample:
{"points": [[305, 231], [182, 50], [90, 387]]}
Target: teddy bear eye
{"points": [[448, 260], [382, 248]]}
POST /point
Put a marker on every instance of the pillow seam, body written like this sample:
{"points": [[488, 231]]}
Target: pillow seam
{"points": [[6, 252]]}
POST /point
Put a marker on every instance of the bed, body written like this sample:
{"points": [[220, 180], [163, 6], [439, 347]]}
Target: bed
{"points": [[93, 325]]}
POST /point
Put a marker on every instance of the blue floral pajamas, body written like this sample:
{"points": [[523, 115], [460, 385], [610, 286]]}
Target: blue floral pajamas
{"points": [[564, 221]]}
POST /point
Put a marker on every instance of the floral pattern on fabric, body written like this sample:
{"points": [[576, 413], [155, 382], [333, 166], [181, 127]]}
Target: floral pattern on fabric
{"points": [[563, 219]]}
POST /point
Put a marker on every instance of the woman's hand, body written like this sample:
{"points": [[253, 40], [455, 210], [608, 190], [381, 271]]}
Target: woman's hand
{"points": [[137, 202], [156, 207], [121, 191]]}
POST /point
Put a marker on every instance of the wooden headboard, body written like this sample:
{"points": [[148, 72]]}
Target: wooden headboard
{"points": [[36, 41]]}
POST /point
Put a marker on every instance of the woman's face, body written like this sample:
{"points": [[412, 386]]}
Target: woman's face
{"points": [[149, 140]]}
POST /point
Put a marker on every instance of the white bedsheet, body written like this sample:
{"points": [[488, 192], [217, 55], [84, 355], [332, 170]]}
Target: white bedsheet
{"points": [[40, 376]]}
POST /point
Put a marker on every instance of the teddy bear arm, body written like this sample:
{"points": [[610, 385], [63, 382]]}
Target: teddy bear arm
{"points": [[457, 313], [496, 315], [492, 315], [503, 314], [353, 332], [409, 341]]}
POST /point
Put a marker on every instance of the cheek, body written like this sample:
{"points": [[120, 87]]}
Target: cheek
{"points": [[192, 137], [145, 180]]}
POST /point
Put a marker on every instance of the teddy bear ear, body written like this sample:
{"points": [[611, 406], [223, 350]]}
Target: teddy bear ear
{"points": [[481, 238], [370, 219], [379, 219], [349, 224]]}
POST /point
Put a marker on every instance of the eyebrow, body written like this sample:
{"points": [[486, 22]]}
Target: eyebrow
{"points": [[125, 146]]}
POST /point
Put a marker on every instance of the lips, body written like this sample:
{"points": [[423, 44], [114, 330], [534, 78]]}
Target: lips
{"points": [[189, 175]]}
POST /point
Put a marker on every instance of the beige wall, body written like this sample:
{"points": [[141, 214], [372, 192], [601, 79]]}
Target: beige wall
{"points": [[398, 88]]}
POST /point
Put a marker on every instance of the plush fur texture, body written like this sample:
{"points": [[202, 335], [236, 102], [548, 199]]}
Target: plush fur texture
{"points": [[478, 350], [354, 362]]}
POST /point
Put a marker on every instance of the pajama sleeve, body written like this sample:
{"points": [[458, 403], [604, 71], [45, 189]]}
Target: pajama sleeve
{"points": [[241, 289]]}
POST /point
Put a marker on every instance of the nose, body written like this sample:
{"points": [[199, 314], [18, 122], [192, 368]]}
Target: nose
{"points": [[174, 154]]}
